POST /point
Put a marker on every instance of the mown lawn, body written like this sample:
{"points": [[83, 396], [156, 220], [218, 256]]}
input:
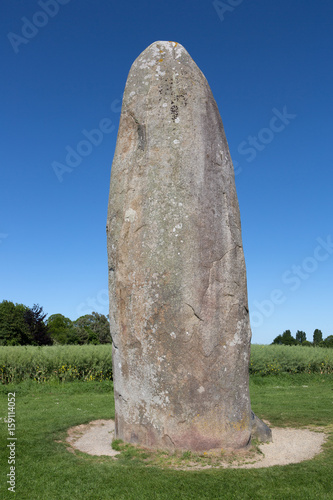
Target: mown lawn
{"points": [[46, 470]]}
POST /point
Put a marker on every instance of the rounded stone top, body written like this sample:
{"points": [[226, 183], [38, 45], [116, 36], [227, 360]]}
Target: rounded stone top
{"points": [[158, 61], [173, 48], [162, 51]]}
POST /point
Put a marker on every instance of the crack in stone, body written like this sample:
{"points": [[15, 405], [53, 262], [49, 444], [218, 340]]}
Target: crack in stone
{"points": [[114, 345], [226, 253], [195, 314], [138, 229], [141, 129], [127, 190], [211, 265], [167, 435]]}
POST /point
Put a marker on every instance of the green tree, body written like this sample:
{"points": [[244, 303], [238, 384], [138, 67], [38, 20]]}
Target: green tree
{"points": [[286, 339], [13, 327], [317, 336], [306, 343], [93, 329], [328, 342], [62, 330], [300, 336], [102, 328], [277, 340], [34, 317]]}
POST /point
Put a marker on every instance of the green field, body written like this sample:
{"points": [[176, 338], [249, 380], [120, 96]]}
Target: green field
{"points": [[93, 362], [277, 359], [63, 363], [46, 470]]}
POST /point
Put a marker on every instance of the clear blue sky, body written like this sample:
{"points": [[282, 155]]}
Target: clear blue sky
{"points": [[269, 65]]}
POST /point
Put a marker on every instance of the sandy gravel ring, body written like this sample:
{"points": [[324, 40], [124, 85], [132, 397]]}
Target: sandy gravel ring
{"points": [[94, 438], [289, 446]]}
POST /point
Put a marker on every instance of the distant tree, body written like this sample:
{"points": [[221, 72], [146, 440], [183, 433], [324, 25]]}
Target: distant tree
{"points": [[300, 336], [21, 325], [277, 340], [306, 343], [34, 317], [317, 336], [286, 339], [328, 342], [62, 330], [13, 327], [101, 326], [93, 329]]}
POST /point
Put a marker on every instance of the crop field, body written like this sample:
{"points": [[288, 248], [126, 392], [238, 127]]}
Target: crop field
{"points": [[55, 363], [277, 359], [93, 362]]}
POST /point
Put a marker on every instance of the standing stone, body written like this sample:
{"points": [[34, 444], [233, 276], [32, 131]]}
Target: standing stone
{"points": [[178, 297]]}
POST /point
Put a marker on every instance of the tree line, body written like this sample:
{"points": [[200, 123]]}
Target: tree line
{"points": [[22, 325], [300, 339]]}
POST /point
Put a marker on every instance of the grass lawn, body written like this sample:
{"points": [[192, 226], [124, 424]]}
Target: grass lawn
{"points": [[46, 470]]}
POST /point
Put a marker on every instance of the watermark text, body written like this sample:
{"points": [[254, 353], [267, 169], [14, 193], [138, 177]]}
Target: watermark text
{"points": [[92, 139], [292, 279], [223, 7], [254, 144], [30, 27], [11, 422]]}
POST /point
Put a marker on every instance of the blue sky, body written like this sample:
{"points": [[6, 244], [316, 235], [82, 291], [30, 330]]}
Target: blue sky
{"points": [[64, 68]]}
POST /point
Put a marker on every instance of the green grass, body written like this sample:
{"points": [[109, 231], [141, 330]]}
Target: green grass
{"points": [[46, 470]]}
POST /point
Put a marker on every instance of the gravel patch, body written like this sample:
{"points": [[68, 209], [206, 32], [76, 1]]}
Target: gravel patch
{"points": [[289, 446], [94, 438]]}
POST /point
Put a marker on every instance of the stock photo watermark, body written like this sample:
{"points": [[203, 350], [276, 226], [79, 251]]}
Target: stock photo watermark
{"points": [[223, 7], [292, 278], [92, 139], [95, 304], [11, 442], [30, 27], [255, 144]]}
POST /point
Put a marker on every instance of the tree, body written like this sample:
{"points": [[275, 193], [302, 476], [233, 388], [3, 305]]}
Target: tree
{"points": [[62, 330], [277, 340], [317, 336], [306, 343], [13, 327], [34, 318], [286, 339], [328, 342], [93, 329], [102, 327], [300, 336]]}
